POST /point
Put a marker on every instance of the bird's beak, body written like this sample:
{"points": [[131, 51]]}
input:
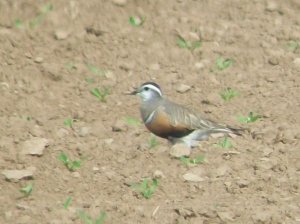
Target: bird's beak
{"points": [[134, 92]]}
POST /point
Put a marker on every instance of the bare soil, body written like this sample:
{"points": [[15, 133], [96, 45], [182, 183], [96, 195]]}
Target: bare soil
{"points": [[50, 61]]}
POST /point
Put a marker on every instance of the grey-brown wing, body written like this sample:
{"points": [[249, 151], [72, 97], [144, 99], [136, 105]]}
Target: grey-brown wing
{"points": [[182, 116]]}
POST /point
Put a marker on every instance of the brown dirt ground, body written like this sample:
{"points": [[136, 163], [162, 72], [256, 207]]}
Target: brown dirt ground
{"points": [[44, 81]]}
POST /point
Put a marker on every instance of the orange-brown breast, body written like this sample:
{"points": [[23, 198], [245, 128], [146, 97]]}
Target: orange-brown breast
{"points": [[162, 127]]}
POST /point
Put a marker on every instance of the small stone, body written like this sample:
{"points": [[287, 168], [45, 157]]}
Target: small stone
{"points": [[35, 146], [222, 170], [271, 6], [192, 177], [61, 34], [297, 62], [243, 183], [76, 174], [199, 65], [119, 126], [108, 141], [226, 216], [96, 169], [182, 88], [179, 150], [38, 60], [273, 61], [120, 2], [83, 131], [158, 174], [16, 175], [61, 133]]}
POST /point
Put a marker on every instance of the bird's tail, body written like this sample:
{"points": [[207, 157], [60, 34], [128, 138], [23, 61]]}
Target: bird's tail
{"points": [[229, 130]]}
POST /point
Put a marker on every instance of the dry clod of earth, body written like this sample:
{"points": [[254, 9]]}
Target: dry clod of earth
{"points": [[179, 150]]}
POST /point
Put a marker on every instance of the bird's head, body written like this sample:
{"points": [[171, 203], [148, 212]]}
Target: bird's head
{"points": [[148, 91]]}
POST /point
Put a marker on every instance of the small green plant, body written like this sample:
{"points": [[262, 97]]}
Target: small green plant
{"points": [[41, 16], [96, 70], [132, 121], [87, 219], [136, 20], [292, 45], [90, 80], [189, 161], [101, 94], [190, 45], [71, 165], [228, 94], [225, 143], [26, 191], [70, 66], [153, 142], [146, 188], [250, 118], [67, 203], [222, 63], [18, 24], [69, 122]]}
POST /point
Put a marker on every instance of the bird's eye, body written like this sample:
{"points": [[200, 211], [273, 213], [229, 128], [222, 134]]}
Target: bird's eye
{"points": [[146, 88]]}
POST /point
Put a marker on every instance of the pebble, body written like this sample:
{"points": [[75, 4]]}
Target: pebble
{"points": [[76, 174], [273, 61], [35, 146], [271, 6], [226, 216], [61, 133], [120, 2], [179, 150], [182, 88], [16, 175], [158, 174], [61, 34], [38, 60], [119, 126], [192, 177], [243, 183], [83, 131], [297, 62]]}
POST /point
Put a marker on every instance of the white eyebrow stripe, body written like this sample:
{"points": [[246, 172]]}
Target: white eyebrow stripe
{"points": [[153, 88]]}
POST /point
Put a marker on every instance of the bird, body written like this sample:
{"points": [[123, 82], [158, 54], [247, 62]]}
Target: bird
{"points": [[175, 122]]}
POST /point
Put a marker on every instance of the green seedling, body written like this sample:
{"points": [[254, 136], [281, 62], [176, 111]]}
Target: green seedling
{"points": [[41, 16], [96, 70], [132, 121], [101, 94], [292, 45], [222, 63], [190, 45], [250, 118], [87, 219], [67, 202], [146, 188], [70, 66], [90, 80], [18, 24], [189, 161], [69, 122], [153, 142], [71, 165], [225, 143], [136, 20], [26, 191], [228, 94]]}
